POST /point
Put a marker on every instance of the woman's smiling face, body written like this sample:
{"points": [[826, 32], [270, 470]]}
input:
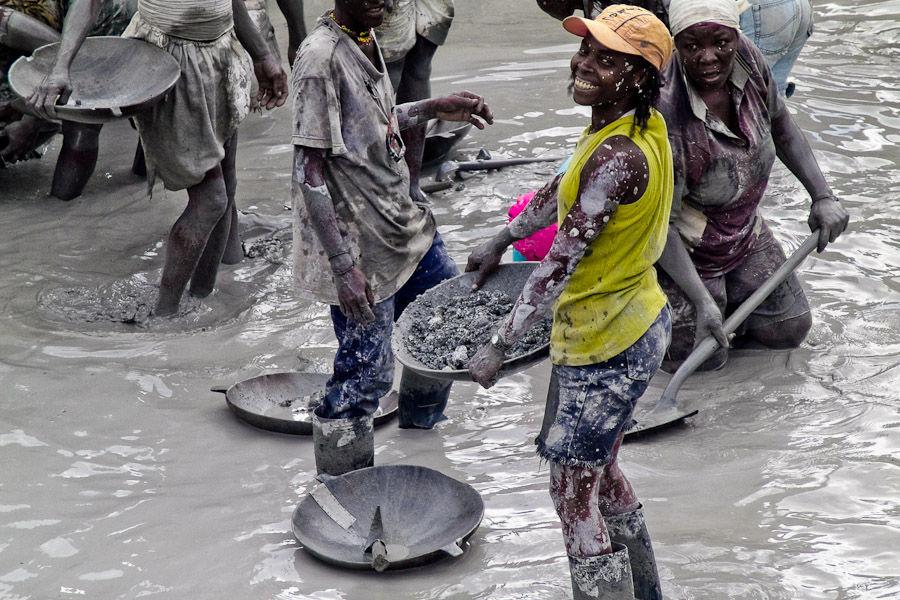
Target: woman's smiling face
{"points": [[707, 53], [603, 76]]}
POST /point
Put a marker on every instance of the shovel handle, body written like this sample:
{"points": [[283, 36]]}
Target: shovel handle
{"points": [[709, 345], [499, 163]]}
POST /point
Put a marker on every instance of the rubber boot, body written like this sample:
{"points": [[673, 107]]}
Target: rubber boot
{"points": [[630, 530], [422, 400], [604, 577], [342, 445]]}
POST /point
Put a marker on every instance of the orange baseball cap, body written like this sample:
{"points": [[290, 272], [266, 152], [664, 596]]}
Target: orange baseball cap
{"points": [[628, 29]]}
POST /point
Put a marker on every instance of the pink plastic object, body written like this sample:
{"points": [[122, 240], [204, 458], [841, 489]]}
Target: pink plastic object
{"points": [[538, 245]]}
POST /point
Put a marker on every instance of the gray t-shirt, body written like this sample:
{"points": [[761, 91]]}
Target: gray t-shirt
{"points": [[344, 105]]}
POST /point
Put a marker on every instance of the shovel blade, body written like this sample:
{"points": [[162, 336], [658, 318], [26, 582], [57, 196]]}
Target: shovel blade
{"points": [[656, 421]]}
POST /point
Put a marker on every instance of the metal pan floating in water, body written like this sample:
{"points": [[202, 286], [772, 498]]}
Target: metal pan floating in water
{"points": [[387, 517], [111, 77], [280, 401], [509, 278]]}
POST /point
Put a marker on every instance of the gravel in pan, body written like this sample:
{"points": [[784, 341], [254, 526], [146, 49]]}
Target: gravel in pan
{"points": [[450, 331]]}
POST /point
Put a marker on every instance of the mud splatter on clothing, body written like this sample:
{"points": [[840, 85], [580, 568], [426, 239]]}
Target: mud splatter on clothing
{"points": [[786, 302], [184, 135], [589, 406], [721, 175], [364, 363], [343, 104]]}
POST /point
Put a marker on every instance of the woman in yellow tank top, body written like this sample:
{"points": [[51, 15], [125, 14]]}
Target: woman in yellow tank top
{"points": [[611, 325]]}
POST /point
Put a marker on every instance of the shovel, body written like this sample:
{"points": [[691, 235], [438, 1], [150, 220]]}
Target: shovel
{"points": [[450, 167], [666, 412]]}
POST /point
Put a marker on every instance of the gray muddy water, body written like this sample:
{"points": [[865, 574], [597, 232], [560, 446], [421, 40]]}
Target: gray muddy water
{"points": [[123, 476]]}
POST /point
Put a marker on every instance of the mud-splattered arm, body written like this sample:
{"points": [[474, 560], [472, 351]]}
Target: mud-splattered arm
{"points": [[458, 106], [541, 212], [308, 186], [617, 173], [676, 261], [269, 74], [826, 214], [57, 85]]}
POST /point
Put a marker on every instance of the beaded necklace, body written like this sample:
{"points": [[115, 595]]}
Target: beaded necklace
{"points": [[363, 37]]}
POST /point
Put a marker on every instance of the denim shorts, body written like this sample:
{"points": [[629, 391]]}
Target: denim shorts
{"points": [[588, 407]]}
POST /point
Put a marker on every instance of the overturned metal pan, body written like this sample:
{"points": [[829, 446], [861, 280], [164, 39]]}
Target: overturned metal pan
{"points": [[509, 277], [279, 401], [387, 517], [111, 77], [441, 137]]}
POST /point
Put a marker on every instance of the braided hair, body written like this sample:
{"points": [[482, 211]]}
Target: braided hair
{"points": [[647, 97]]}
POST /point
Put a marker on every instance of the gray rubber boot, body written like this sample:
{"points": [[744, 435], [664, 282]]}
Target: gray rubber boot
{"points": [[605, 577], [630, 529], [343, 445]]}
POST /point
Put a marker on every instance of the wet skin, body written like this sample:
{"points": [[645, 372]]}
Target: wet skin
{"points": [[360, 16], [411, 78], [78, 155], [617, 173], [196, 242], [583, 495]]}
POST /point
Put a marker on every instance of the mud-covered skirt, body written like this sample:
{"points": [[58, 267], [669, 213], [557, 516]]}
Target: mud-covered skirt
{"points": [[184, 134]]}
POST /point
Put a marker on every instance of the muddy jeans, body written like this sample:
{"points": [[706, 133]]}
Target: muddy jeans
{"points": [[589, 406], [779, 28], [364, 363]]}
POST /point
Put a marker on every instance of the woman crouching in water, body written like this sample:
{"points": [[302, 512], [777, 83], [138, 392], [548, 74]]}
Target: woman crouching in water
{"points": [[611, 325]]}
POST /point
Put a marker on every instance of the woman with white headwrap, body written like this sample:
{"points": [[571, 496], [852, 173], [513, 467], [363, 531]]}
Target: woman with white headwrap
{"points": [[727, 124]]}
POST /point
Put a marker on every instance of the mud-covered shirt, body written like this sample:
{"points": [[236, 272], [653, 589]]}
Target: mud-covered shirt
{"points": [[721, 175], [343, 104]]}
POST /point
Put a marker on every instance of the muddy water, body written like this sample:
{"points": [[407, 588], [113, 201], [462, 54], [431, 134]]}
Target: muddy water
{"points": [[123, 476]]}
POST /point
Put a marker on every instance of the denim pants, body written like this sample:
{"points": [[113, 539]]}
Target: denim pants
{"points": [[779, 28], [364, 363], [588, 407]]}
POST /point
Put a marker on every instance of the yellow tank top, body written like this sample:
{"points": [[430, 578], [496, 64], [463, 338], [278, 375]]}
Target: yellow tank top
{"points": [[613, 296]]}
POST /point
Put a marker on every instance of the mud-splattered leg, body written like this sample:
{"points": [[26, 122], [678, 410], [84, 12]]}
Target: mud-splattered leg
{"points": [[615, 494], [599, 568], [207, 206], [234, 250], [575, 491], [77, 159], [204, 277]]}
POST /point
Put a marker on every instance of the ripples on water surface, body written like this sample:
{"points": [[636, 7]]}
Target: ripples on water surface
{"points": [[123, 476]]}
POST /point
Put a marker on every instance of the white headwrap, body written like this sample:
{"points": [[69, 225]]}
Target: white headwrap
{"points": [[685, 13]]}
